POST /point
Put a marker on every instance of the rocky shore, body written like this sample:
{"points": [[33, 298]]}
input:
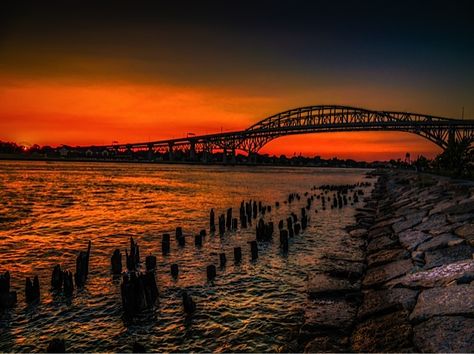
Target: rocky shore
{"points": [[403, 278]]}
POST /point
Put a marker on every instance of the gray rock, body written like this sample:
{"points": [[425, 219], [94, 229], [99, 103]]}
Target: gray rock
{"points": [[381, 243], [410, 239], [451, 334], [440, 241], [412, 220], [358, 233], [441, 207], [448, 228], [455, 218], [328, 344], [439, 276], [379, 232], [382, 274], [464, 207], [386, 256], [446, 301], [466, 232], [388, 300], [447, 255], [388, 333], [352, 255], [323, 286], [432, 223], [340, 268], [328, 315], [387, 222]]}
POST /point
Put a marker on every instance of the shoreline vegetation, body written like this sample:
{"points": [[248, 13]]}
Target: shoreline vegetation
{"points": [[403, 279], [457, 160]]}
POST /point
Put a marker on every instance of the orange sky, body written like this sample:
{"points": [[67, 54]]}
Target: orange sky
{"points": [[74, 112], [83, 73]]}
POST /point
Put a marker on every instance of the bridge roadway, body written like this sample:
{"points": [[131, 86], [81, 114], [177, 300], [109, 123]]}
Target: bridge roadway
{"points": [[306, 120]]}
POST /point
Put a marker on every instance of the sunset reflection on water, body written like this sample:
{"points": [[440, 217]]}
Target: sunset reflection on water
{"points": [[48, 212]]}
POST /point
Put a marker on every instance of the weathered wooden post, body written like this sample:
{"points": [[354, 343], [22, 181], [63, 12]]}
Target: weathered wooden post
{"points": [[166, 242], [222, 260], [150, 263], [116, 261], [297, 228], [254, 250], [284, 240], [138, 348], [68, 284], [289, 224], [32, 289], [182, 241], [133, 259], [202, 233], [212, 224], [174, 270], [237, 255], [82, 266], [188, 303], [179, 232], [56, 345], [57, 278], [234, 224], [198, 240], [228, 223], [7, 298], [211, 272], [222, 224]]}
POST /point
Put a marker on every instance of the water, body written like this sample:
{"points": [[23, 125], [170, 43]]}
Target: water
{"points": [[48, 212]]}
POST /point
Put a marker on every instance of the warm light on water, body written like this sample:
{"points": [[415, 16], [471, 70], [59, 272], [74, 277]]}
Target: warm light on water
{"points": [[49, 211]]}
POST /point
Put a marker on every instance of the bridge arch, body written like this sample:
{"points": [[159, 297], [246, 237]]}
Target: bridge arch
{"points": [[335, 118]]}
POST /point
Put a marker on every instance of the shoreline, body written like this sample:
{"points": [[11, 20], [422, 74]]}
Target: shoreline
{"points": [[406, 283]]}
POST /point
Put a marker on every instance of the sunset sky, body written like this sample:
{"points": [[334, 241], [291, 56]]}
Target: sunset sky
{"points": [[79, 73]]}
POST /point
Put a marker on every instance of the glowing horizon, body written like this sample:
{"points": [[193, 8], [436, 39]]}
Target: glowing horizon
{"points": [[147, 72]]}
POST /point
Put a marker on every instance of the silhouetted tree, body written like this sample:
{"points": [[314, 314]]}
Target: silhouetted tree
{"points": [[457, 159]]}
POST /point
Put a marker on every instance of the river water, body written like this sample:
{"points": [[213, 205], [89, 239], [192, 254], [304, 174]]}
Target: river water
{"points": [[49, 210]]}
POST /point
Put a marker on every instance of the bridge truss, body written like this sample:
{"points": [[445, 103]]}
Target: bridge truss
{"points": [[305, 120]]}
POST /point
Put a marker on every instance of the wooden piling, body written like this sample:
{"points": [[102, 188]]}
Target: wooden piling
{"points": [[222, 260], [116, 262], [237, 255], [174, 270], [254, 250], [32, 289], [211, 272]]}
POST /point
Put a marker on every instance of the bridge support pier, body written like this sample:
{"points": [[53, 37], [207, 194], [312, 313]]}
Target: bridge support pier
{"points": [[252, 157], [233, 161], [170, 152], [151, 153], [192, 152]]}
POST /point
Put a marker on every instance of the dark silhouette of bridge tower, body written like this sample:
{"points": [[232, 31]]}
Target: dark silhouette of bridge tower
{"points": [[306, 120]]}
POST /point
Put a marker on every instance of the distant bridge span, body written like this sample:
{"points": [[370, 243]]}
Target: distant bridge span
{"points": [[310, 119]]}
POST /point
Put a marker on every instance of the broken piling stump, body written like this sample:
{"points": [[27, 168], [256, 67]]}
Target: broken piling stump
{"points": [[174, 270], [254, 250], [32, 289], [82, 266], [165, 241], [116, 262], [56, 345], [237, 255], [188, 303], [150, 263], [7, 298], [211, 272], [222, 260]]}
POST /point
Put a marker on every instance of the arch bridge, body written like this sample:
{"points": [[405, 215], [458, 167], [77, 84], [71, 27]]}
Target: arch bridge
{"points": [[305, 120]]}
